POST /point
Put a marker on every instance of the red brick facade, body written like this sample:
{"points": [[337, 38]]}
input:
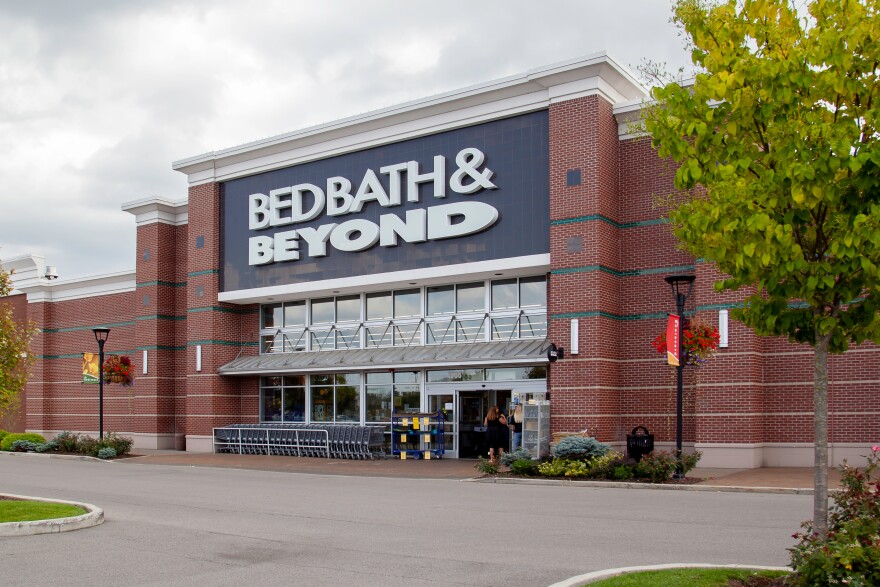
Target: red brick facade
{"points": [[609, 251]]}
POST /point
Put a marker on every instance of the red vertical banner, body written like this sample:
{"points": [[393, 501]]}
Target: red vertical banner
{"points": [[673, 344]]}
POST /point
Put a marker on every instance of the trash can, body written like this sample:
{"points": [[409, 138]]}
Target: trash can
{"points": [[639, 443]]}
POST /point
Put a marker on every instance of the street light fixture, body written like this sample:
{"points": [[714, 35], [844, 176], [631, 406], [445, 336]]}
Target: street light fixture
{"points": [[101, 335], [678, 283]]}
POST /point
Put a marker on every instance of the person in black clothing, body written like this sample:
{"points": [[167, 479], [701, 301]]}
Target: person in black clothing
{"points": [[496, 437]]}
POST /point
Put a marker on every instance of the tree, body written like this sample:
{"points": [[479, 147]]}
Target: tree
{"points": [[14, 359], [780, 171]]}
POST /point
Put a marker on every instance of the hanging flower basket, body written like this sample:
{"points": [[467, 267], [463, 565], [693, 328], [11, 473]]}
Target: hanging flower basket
{"points": [[699, 342], [118, 369]]}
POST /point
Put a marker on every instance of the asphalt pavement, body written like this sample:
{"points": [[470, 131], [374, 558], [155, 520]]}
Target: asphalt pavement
{"points": [[185, 524]]}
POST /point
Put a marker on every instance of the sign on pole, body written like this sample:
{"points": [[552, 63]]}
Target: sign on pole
{"points": [[673, 344]]}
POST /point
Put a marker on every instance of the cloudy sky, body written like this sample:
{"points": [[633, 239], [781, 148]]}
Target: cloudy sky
{"points": [[97, 98]]}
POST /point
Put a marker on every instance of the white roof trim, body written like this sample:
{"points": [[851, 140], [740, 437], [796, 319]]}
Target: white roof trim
{"points": [[157, 209], [529, 91], [82, 287]]}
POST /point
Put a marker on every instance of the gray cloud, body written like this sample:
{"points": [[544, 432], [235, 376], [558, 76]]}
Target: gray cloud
{"points": [[98, 97]]}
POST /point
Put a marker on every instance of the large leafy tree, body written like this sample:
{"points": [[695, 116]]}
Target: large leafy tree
{"points": [[780, 171], [14, 359]]}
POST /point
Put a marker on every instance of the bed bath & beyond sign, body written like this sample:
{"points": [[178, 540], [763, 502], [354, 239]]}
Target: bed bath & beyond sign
{"points": [[285, 206]]}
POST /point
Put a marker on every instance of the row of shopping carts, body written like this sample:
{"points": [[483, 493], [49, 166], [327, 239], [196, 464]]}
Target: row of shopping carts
{"points": [[334, 441]]}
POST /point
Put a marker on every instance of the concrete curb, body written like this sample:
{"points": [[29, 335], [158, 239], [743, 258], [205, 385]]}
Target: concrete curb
{"points": [[608, 573], [656, 486], [93, 516], [53, 456]]}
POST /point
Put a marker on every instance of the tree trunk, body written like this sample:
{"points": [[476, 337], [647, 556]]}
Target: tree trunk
{"points": [[820, 436]]}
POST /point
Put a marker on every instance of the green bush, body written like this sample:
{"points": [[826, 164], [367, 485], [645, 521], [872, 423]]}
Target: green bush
{"points": [[120, 444], [577, 469], [850, 555], [50, 446], [554, 468], [508, 458], [602, 467], [6, 443], [106, 453], [578, 447], [23, 446], [524, 467], [67, 441], [486, 467], [622, 473], [658, 466], [87, 445], [2, 434]]}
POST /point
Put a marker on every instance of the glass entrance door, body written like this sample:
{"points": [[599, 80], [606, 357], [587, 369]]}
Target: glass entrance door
{"points": [[445, 402], [472, 410]]}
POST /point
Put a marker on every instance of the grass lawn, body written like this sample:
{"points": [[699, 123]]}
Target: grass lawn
{"points": [[690, 578], [14, 510]]}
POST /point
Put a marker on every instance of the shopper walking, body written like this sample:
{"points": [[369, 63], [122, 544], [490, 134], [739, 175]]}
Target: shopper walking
{"points": [[496, 437]]}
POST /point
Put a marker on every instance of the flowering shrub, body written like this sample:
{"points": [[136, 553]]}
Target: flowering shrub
{"points": [[850, 555], [699, 342], [118, 369]]}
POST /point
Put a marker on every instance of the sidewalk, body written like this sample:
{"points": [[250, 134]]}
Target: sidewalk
{"points": [[771, 477]]}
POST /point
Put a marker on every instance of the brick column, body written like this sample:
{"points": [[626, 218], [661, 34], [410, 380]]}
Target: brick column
{"points": [[584, 260], [212, 400]]}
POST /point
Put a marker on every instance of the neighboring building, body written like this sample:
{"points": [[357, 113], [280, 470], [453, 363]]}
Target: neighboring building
{"points": [[425, 256]]}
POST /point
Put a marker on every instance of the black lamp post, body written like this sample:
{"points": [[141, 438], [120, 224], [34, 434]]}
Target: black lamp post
{"points": [[678, 283], [101, 335]]}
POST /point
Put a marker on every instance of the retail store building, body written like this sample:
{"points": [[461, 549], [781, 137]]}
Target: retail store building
{"points": [[425, 257]]}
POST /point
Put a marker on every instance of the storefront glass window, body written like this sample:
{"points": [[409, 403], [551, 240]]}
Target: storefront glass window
{"points": [[272, 316], [532, 292], [407, 335], [294, 404], [379, 306], [503, 328], [468, 330], [441, 332], [407, 399], [378, 402], [348, 338], [295, 313], [322, 311], [322, 404], [441, 300], [407, 303], [504, 294], [379, 336], [470, 297], [348, 309], [271, 411]]}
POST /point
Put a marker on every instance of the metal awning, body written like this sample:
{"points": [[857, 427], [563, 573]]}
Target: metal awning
{"points": [[512, 352]]}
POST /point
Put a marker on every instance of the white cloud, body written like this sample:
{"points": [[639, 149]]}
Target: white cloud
{"points": [[98, 97]]}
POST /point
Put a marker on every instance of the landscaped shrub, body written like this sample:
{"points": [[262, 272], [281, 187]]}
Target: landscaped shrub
{"points": [[486, 467], [49, 446], [67, 441], [120, 444], [2, 434], [524, 467], [601, 467], [87, 445], [658, 466], [622, 472], [554, 468], [508, 458], [106, 453], [6, 443], [23, 446], [578, 447], [577, 469], [850, 555]]}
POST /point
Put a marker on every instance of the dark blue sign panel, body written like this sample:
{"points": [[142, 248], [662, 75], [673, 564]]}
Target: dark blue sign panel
{"points": [[472, 194]]}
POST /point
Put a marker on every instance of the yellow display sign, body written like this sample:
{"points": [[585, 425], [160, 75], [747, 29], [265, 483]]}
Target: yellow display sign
{"points": [[415, 423], [427, 455], [427, 439], [90, 368], [403, 438]]}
